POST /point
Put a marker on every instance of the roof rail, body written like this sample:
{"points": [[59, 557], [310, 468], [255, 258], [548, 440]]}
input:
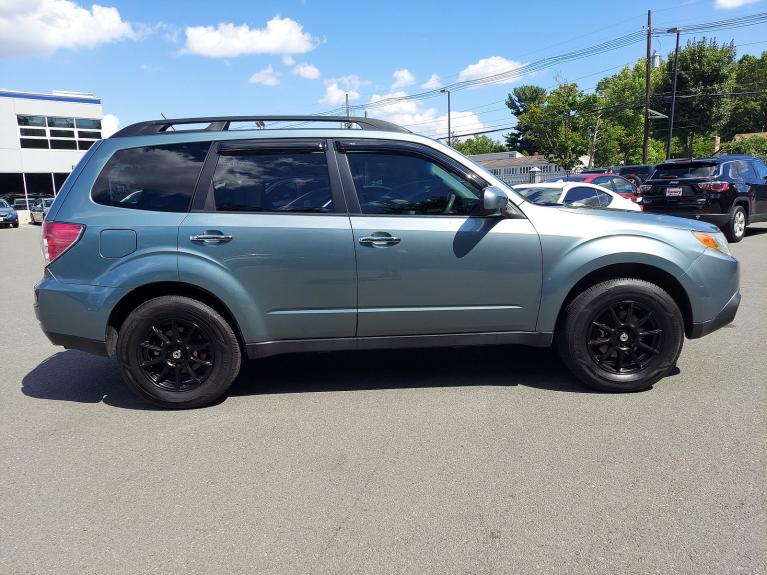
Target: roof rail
{"points": [[222, 123]]}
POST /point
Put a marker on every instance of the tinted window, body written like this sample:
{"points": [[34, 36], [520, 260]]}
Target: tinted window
{"points": [[31, 120], [62, 134], [58, 180], [740, 170], [81, 134], [11, 183], [584, 196], [406, 184], [32, 132], [63, 145], [84, 144], [32, 143], [61, 122], [672, 171], [604, 198], [39, 184], [157, 178], [88, 124], [761, 170], [272, 182]]}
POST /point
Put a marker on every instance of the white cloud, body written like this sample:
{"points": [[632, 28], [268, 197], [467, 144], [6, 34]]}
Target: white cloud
{"points": [[280, 36], [307, 71], [109, 125], [402, 78], [432, 83], [265, 77], [40, 27], [288, 60], [414, 116], [729, 4], [489, 67], [337, 88]]}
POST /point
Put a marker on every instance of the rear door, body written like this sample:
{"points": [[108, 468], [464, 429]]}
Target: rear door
{"points": [[760, 184], [269, 220], [427, 264]]}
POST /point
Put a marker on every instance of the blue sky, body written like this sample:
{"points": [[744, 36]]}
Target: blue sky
{"points": [[189, 58]]}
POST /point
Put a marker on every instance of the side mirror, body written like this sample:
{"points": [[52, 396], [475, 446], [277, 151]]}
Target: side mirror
{"points": [[494, 202]]}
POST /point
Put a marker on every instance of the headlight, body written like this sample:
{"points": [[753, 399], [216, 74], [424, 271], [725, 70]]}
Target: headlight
{"points": [[715, 241]]}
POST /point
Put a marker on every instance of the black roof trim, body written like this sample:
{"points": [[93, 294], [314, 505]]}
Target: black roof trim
{"points": [[221, 124]]}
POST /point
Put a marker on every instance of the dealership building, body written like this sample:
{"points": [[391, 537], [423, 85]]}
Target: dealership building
{"points": [[42, 137]]}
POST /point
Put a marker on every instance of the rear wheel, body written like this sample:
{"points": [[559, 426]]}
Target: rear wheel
{"points": [[736, 227], [177, 352], [621, 335]]}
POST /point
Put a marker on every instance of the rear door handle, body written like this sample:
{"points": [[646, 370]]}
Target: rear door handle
{"points": [[211, 238]]}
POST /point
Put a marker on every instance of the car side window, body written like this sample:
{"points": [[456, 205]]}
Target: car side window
{"points": [[604, 198], [761, 170], [584, 196], [605, 181], [403, 183], [745, 171], [622, 186], [271, 181]]}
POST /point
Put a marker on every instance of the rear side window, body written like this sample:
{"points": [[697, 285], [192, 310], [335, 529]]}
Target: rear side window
{"points": [[583, 196], [155, 178], [622, 186], [673, 171], [254, 181]]}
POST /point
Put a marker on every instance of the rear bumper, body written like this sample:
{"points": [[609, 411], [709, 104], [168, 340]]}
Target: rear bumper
{"points": [[725, 316]]}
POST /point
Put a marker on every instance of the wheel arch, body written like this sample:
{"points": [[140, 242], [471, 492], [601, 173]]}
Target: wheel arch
{"points": [[143, 293], [645, 272]]}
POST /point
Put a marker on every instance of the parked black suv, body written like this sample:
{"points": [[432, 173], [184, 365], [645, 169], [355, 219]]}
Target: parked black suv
{"points": [[729, 191], [636, 174]]}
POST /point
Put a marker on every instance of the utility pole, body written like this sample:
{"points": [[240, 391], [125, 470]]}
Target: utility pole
{"points": [[673, 92], [449, 132], [648, 67]]}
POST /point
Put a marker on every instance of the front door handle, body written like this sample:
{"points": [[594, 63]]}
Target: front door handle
{"points": [[211, 238], [386, 240]]}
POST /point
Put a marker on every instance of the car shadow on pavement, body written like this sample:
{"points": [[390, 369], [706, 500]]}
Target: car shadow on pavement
{"points": [[80, 377]]}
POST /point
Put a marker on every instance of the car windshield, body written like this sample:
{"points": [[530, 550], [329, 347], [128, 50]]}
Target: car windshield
{"points": [[540, 195], [639, 170], [692, 170], [4, 204]]}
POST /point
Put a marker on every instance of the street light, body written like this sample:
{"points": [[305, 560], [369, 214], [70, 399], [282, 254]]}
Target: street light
{"points": [[673, 92], [449, 133]]}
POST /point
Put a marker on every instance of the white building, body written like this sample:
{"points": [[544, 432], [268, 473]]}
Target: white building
{"points": [[42, 137], [514, 168]]}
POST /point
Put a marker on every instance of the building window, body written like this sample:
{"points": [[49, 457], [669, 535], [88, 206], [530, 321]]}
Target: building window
{"points": [[36, 144], [63, 145], [39, 184], [55, 122], [12, 184], [31, 121], [84, 144], [88, 124], [93, 135], [58, 180], [32, 132], [62, 134]]}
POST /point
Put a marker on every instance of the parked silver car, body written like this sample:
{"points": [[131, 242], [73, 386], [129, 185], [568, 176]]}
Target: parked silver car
{"points": [[39, 210]]}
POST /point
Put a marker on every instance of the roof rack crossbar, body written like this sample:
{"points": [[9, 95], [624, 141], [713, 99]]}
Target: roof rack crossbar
{"points": [[222, 123]]}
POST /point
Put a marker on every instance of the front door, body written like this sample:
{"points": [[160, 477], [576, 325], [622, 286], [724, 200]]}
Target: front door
{"points": [[269, 227], [426, 263]]}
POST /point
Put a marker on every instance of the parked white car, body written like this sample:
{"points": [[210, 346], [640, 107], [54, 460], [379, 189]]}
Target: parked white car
{"points": [[575, 194]]}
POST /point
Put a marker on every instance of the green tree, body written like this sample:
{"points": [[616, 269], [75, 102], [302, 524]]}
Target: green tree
{"points": [[705, 69], [748, 113], [521, 100], [478, 145], [753, 145]]}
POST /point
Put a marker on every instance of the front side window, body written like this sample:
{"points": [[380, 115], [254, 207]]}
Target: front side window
{"points": [[272, 181], [392, 182], [156, 178]]}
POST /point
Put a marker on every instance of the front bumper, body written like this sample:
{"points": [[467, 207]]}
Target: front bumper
{"points": [[725, 316]]}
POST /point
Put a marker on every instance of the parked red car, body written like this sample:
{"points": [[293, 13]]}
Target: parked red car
{"points": [[612, 182]]}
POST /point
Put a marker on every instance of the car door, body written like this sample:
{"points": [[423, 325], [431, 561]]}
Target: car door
{"points": [[269, 220], [426, 263], [760, 183]]}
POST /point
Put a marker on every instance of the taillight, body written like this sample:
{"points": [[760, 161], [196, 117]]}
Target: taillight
{"points": [[645, 188], [713, 186], [58, 237]]}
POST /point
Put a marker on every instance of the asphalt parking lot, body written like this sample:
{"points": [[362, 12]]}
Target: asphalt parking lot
{"points": [[460, 461]]}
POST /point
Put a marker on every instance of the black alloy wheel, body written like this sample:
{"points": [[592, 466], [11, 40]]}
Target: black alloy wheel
{"points": [[176, 355], [624, 337]]}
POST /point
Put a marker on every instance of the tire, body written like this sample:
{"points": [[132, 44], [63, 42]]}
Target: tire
{"points": [[603, 359], [735, 230], [178, 353], [15, 224]]}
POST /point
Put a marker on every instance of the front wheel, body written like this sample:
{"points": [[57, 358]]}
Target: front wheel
{"points": [[621, 335], [177, 352]]}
